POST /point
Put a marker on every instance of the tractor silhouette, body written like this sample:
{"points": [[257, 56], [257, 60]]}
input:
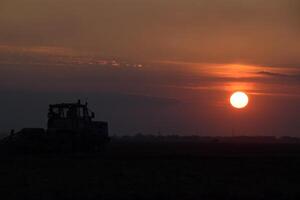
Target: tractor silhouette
{"points": [[70, 128]]}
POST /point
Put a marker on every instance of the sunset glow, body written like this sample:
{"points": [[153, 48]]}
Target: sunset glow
{"points": [[153, 66]]}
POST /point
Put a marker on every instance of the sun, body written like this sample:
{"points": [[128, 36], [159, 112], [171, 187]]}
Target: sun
{"points": [[239, 100]]}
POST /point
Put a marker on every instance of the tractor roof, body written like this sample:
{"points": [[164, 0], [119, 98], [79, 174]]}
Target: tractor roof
{"points": [[68, 105]]}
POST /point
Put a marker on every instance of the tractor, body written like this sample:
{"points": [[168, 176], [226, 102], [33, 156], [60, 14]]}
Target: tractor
{"points": [[70, 128]]}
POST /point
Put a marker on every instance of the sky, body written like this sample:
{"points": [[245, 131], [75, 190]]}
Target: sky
{"points": [[153, 66]]}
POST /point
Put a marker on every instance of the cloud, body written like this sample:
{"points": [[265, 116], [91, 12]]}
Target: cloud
{"points": [[202, 31], [280, 76], [52, 56], [266, 73]]}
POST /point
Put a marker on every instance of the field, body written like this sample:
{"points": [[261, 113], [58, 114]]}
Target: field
{"points": [[152, 170]]}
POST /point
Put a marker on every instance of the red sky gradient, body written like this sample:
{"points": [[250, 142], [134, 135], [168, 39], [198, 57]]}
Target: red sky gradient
{"points": [[154, 65]]}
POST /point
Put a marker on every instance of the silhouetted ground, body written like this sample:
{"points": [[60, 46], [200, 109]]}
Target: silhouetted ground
{"points": [[152, 170]]}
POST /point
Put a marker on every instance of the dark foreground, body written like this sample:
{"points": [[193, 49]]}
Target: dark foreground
{"points": [[141, 170]]}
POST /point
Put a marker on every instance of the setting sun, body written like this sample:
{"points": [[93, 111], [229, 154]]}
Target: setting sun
{"points": [[239, 100]]}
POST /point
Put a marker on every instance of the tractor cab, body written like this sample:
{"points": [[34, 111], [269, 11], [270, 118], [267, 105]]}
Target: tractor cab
{"points": [[72, 124], [69, 116]]}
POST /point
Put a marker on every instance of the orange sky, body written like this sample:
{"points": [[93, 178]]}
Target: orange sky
{"points": [[177, 59]]}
